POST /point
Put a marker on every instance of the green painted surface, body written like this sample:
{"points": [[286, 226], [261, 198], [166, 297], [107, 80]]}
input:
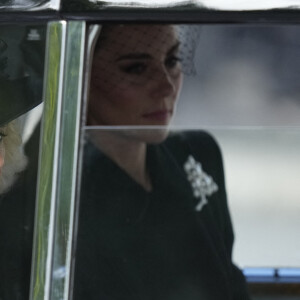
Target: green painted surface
{"points": [[46, 166]]}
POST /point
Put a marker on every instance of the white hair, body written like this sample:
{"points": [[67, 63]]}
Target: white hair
{"points": [[15, 160]]}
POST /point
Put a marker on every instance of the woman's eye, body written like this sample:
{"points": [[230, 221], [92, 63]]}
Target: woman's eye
{"points": [[2, 135], [172, 61], [136, 68]]}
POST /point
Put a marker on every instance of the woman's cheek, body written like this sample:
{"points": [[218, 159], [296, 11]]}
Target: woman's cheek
{"points": [[2, 155], [179, 82], [123, 96]]}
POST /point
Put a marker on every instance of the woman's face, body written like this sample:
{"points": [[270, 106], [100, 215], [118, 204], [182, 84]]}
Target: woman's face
{"points": [[136, 76], [2, 149]]}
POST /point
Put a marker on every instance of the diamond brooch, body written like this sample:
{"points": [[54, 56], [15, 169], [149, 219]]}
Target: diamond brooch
{"points": [[202, 184]]}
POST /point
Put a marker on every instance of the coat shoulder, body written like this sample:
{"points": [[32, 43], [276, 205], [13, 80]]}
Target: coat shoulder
{"points": [[199, 142]]}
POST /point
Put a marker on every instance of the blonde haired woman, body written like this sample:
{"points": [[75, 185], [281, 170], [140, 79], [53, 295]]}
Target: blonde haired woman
{"points": [[14, 101], [12, 158]]}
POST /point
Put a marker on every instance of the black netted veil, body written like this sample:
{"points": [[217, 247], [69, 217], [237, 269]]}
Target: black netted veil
{"points": [[189, 37], [3, 59], [129, 53]]}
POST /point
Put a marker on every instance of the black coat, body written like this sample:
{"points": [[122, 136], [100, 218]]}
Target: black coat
{"points": [[134, 244], [17, 210]]}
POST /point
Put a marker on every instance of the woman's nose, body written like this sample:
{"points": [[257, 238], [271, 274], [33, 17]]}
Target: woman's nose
{"points": [[1, 160], [164, 84]]}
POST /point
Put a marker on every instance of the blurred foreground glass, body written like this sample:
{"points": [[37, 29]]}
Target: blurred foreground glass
{"points": [[246, 94]]}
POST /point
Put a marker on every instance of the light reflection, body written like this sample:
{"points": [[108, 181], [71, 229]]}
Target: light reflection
{"points": [[262, 176], [30, 5], [214, 4], [250, 5]]}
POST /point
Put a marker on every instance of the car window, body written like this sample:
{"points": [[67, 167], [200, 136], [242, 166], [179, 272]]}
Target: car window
{"points": [[239, 90], [22, 66]]}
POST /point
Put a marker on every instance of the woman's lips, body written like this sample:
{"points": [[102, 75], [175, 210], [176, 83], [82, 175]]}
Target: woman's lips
{"points": [[158, 115]]}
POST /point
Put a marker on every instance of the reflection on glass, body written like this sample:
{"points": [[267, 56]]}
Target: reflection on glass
{"points": [[28, 5], [232, 5], [20, 91], [246, 76], [262, 172], [153, 217]]}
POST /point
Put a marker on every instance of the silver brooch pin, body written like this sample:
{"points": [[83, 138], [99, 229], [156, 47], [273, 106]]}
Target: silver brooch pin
{"points": [[202, 184]]}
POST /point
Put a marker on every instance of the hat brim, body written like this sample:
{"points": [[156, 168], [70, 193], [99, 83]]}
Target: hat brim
{"points": [[15, 99]]}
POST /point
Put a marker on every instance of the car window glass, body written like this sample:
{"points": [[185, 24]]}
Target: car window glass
{"points": [[239, 93], [21, 79]]}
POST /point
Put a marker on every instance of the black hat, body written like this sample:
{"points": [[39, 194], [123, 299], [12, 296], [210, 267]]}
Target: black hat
{"points": [[16, 95], [15, 99]]}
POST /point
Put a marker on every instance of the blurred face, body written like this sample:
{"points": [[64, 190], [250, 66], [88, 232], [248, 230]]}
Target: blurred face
{"points": [[136, 76], [2, 149]]}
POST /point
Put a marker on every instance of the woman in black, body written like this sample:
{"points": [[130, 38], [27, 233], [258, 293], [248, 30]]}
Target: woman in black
{"points": [[153, 221]]}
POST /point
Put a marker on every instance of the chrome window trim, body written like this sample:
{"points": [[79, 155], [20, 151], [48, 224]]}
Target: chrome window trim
{"points": [[70, 134], [43, 5], [57, 10], [60, 132], [237, 5], [49, 146]]}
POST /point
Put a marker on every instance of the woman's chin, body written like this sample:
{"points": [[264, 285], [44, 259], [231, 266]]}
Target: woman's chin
{"points": [[148, 135]]}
